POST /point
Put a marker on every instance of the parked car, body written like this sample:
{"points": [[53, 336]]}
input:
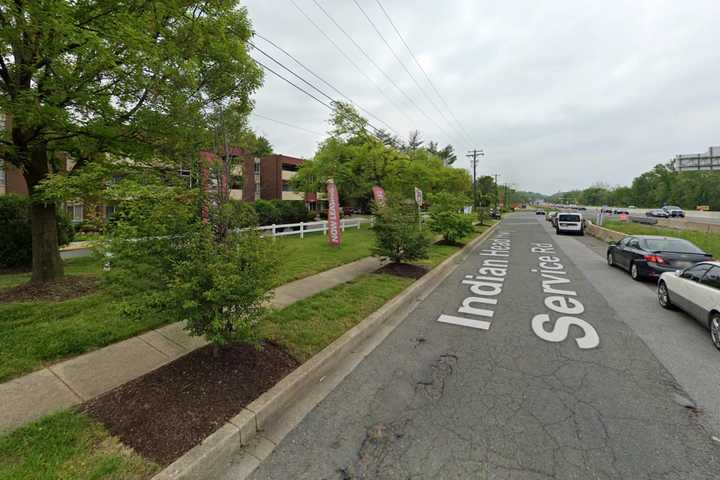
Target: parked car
{"points": [[622, 211], [696, 290], [582, 209], [551, 216], [658, 213], [539, 212], [632, 207], [607, 211], [569, 223], [495, 213], [649, 256]]}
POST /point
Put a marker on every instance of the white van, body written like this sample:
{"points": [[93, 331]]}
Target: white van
{"points": [[567, 222]]}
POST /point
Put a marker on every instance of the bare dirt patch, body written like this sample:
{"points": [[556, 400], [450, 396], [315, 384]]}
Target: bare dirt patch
{"points": [[65, 289], [165, 413]]}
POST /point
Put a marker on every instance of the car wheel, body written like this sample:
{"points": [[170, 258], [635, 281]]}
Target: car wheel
{"points": [[715, 329], [664, 296], [557, 231], [635, 272], [611, 259], [582, 232]]}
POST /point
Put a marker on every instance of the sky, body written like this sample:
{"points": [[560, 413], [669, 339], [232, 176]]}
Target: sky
{"points": [[560, 94]]}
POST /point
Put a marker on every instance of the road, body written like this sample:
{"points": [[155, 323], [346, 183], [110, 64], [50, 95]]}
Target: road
{"points": [[576, 374]]}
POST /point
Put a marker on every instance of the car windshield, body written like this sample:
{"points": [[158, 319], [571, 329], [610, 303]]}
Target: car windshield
{"points": [[670, 245], [569, 218]]}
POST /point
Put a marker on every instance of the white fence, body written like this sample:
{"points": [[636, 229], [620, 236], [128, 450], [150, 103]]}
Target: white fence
{"points": [[311, 227]]}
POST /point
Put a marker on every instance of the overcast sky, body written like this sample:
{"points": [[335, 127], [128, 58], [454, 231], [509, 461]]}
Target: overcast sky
{"points": [[560, 94]]}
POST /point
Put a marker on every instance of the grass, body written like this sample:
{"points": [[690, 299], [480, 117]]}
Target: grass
{"points": [[39, 333], [68, 445], [308, 326], [89, 265], [302, 257], [710, 242], [35, 333]]}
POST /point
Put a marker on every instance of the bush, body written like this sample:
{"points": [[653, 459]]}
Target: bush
{"points": [[446, 219], [171, 264], [452, 226], [16, 231], [398, 235], [236, 214], [267, 212], [292, 211]]}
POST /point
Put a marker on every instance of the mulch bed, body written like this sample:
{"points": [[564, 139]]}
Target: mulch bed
{"points": [[405, 270], [165, 413], [65, 289], [450, 244]]}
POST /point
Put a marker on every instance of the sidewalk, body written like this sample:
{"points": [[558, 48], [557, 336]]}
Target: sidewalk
{"points": [[82, 378]]}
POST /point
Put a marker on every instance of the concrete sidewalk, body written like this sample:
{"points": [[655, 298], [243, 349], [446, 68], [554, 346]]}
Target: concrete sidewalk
{"points": [[82, 378]]}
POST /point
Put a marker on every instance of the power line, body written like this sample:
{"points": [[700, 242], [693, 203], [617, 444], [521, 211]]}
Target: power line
{"points": [[332, 100], [286, 124], [427, 77], [328, 84], [347, 57], [412, 77], [293, 84], [369, 58]]}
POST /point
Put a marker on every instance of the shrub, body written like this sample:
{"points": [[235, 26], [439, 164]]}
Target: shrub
{"points": [[267, 212], [446, 219], [171, 264], [292, 211], [236, 214], [16, 231], [398, 235]]}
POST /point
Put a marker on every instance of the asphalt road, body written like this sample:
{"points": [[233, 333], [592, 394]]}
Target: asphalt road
{"points": [[569, 379]]}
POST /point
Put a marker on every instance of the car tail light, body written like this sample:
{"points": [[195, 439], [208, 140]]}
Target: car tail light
{"points": [[654, 259]]}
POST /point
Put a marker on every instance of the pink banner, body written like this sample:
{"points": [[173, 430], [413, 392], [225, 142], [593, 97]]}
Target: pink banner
{"points": [[379, 195], [334, 229]]}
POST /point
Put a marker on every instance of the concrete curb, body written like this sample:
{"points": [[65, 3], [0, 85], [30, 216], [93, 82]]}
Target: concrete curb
{"points": [[604, 234], [72, 246], [211, 457]]}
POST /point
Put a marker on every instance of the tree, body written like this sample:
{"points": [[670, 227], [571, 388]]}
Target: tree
{"points": [[448, 155], [414, 141], [446, 217], [84, 78], [167, 262], [398, 235]]}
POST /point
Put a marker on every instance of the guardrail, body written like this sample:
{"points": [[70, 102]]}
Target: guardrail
{"points": [[302, 228]]}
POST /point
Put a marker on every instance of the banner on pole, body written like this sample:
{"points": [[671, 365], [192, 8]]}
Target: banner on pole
{"points": [[334, 230], [418, 197], [379, 196]]}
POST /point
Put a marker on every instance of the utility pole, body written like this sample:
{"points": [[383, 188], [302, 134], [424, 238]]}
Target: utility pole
{"points": [[474, 154], [496, 190]]}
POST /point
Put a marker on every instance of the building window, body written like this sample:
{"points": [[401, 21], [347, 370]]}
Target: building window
{"points": [[2, 173], [257, 191], [288, 167], [286, 186], [236, 182], [257, 166], [76, 213], [109, 211]]}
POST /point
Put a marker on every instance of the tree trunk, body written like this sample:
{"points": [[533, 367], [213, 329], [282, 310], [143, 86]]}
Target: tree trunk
{"points": [[46, 263]]}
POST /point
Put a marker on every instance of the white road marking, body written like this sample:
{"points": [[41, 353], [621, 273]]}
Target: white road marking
{"points": [[464, 322]]}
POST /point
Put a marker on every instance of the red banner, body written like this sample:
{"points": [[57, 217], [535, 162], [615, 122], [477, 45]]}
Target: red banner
{"points": [[334, 229], [379, 195]]}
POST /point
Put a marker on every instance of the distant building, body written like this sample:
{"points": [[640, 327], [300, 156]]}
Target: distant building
{"points": [[709, 160]]}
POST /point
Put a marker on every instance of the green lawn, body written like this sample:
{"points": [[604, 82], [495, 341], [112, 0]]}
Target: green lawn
{"points": [[68, 446], [37, 333], [302, 257], [89, 265], [710, 242]]}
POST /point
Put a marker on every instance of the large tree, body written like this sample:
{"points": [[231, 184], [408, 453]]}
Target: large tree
{"points": [[129, 77]]}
